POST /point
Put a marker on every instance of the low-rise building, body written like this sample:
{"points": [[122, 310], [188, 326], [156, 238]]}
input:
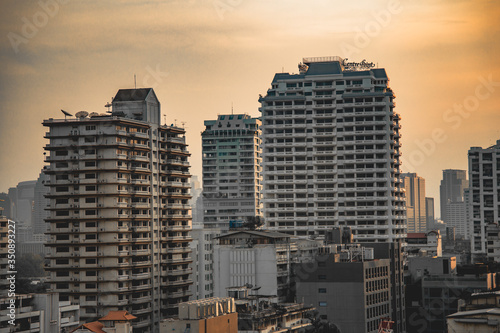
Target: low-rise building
{"points": [[38, 313], [257, 258], [348, 288], [209, 315], [113, 322], [429, 243], [258, 313], [483, 321]]}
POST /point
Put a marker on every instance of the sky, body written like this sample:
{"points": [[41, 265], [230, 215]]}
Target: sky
{"points": [[202, 56]]}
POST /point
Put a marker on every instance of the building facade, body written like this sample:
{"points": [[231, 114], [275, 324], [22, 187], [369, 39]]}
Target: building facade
{"points": [[257, 258], [355, 296], [209, 315], [40, 204], [231, 170], [429, 213], [203, 244], [119, 223], [415, 202], [331, 146], [484, 175], [451, 190]]}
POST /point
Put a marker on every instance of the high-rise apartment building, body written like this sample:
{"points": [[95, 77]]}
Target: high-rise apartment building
{"points": [[231, 170], [119, 224], [415, 202], [452, 189], [331, 146], [484, 175]]}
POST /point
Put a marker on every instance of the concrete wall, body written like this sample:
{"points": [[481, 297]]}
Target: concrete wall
{"points": [[237, 266]]}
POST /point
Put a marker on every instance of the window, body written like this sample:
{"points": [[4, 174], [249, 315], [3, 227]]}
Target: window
{"points": [[322, 290], [322, 304], [321, 277]]}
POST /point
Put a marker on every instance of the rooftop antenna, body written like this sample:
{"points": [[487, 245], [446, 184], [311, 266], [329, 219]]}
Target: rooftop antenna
{"points": [[175, 122], [165, 119], [232, 111], [135, 82]]}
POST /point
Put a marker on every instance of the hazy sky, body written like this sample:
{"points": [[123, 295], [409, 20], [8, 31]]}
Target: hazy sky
{"points": [[202, 55]]}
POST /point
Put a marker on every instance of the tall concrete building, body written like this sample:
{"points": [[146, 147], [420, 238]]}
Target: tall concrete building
{"points": [[22, 202], [429, 213], [331, 151], [415, 202], [40, 204], [484, 175], [231, 170], [452, 189], [119, 224]]}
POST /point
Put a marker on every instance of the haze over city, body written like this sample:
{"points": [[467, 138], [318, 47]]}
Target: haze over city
{"points": [[203, 57]]}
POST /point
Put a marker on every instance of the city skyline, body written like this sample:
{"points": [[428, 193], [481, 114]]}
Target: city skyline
{"points": [[202, 56]]}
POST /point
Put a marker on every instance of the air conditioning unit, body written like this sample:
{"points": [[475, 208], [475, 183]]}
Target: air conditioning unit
{"points": [[101, 229], [99, 205], [99, 156]]}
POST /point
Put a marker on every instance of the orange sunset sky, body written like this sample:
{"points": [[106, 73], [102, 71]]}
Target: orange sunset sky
{"points": [[202, 55]]}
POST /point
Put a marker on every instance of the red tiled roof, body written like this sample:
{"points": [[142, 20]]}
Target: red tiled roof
{"points": [[94, 326], [118, 315], [416, 235]]}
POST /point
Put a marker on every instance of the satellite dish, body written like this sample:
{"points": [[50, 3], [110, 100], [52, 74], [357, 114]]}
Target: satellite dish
{"points": [[81, 114], [93, 114]]}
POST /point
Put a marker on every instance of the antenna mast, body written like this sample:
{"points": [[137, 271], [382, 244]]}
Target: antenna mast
{"points": [[135, 82]]}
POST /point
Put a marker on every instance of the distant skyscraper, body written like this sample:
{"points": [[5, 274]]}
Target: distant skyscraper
{"points": [[429, 212], [452, 189], [415, 202], [120, 222], [231, 170], [331, 152], [484, 175], [22, 199], [40, 205]]}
